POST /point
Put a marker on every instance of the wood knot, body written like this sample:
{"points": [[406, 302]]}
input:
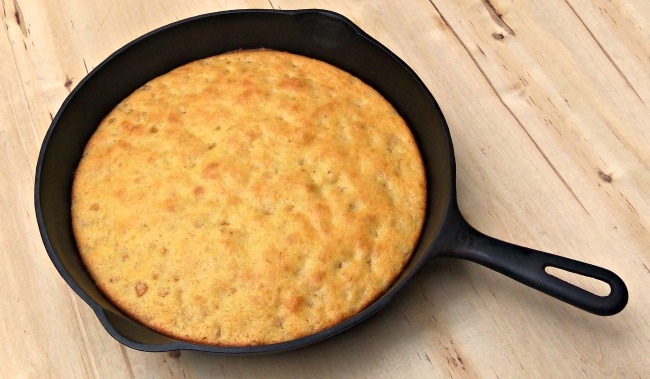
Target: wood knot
{"points": [[604, 177], [68, 83]]}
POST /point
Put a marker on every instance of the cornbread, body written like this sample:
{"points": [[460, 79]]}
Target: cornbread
{"points": [[248, 198]]}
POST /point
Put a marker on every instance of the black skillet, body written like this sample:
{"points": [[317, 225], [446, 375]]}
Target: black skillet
{"points": [[314, 33]]}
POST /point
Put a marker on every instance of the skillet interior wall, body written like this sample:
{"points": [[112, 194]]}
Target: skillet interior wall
{"points": [[322, 37]]}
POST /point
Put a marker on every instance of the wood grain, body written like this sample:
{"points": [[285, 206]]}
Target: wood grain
{"points": [[549, 108]]}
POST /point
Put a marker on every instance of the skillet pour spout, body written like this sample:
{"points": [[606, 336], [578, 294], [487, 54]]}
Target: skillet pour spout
{"points": [[314, 33]]}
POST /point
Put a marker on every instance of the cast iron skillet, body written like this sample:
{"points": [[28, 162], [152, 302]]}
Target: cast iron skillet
{"points": [[314, 33]]}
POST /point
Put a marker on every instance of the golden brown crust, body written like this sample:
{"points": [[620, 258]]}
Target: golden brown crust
{"points": [[248, 198]]}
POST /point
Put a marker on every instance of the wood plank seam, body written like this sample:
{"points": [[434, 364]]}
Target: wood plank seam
{"points": [[609, 58], [546, 158], [127, 360], [84, 335]]}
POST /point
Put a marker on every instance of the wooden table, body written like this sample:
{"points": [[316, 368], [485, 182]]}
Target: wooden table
{"points": [[549, 107]]}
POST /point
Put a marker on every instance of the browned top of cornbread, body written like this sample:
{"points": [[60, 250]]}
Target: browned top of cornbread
{"points": [[248, 198]]}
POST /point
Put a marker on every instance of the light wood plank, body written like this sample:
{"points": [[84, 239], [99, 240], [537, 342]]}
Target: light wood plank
{"points": [[573, 104], [552, 150], [621, 29], [39, 330]]}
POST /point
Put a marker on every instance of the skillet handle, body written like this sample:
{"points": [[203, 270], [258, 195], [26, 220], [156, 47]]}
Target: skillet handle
{"points": [[527, 266]]}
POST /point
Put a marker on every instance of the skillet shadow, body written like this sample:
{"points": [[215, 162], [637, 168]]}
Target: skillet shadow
{"points": [[496, 296], [376, 345]]}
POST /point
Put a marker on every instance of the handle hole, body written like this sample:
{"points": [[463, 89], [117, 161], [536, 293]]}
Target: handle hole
{"points": [[587, 283]]}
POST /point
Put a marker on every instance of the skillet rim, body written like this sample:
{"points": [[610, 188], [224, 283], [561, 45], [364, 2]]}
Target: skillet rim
{"points": [[449, 206]]}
